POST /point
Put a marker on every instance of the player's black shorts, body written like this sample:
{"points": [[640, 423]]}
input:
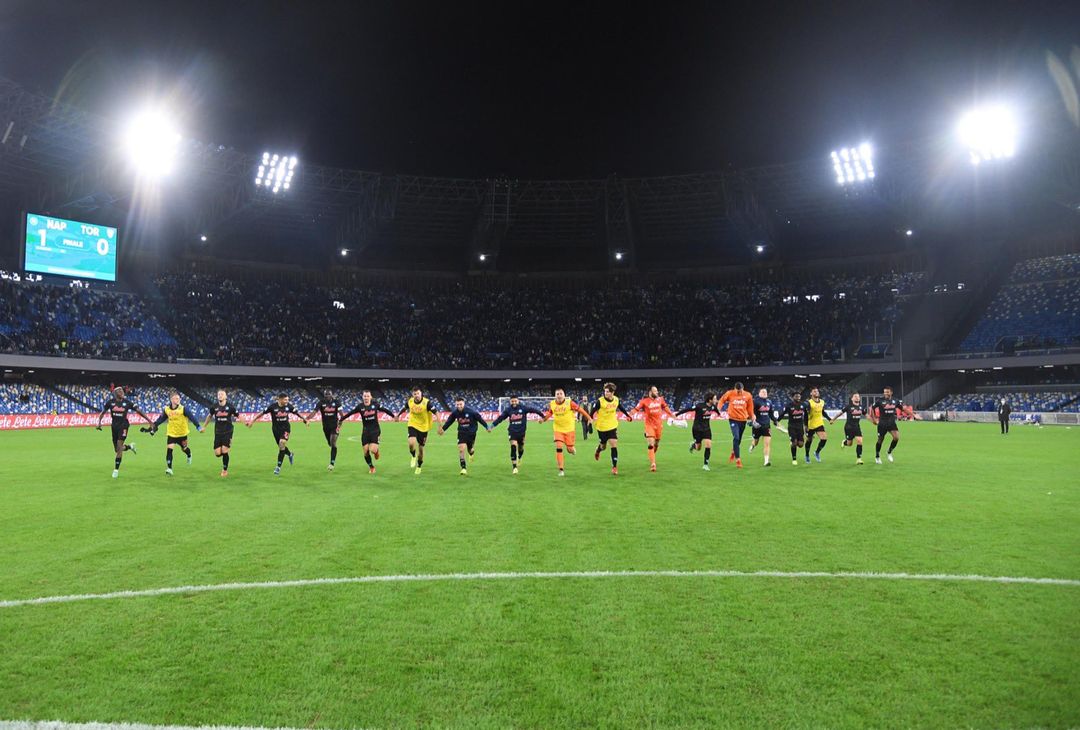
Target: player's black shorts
{"points": [[119, 432], [223, 440], [468, 439], [852, 429], [281, 433], [760, 430], [420, 436], [176, 440], [370, 436], [606, 436], [701, 433], [883, 427], [796, 434], [816, 429], [516, 436]]}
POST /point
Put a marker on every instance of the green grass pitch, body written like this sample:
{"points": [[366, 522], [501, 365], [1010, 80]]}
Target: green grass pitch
{"points": [[611, 652]]}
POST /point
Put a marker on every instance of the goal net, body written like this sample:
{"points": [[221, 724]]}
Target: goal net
{"points": [[539, 402]]}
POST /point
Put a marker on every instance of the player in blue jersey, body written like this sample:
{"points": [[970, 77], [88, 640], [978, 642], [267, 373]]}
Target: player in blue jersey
{"points": [[517, 416], [764, 418], [468, 420]]}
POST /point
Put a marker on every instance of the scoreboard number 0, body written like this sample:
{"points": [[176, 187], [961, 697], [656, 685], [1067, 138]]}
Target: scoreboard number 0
{"points": [[103, 247]]}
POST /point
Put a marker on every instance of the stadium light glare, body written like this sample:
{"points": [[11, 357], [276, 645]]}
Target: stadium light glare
{"points": [[275, 172], [344, 252], [152, 142], [203, 238], [909, 233], [989, 133], [483, 257], [853, 164], [618, 255], [760, 248]]}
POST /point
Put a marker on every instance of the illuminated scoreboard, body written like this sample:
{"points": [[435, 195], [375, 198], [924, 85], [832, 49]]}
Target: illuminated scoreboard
{"points": [[69, 248]]}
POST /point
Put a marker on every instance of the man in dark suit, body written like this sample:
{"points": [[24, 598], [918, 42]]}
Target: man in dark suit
{"points": [[1004, 409]]}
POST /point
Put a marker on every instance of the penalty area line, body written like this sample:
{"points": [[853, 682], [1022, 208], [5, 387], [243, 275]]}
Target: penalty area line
{"points": [[539, 575]]}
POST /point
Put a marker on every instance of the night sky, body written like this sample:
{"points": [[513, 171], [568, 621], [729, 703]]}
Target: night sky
{"points": [[552, 89]]}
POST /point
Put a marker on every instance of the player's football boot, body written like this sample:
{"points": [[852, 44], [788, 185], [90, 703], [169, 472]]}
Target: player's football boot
{"points": [[115, 473], [738, 463], [412, 463], [889, 457], [417, 471], [596, 455], [877, 459], [189, 460], [224, 473], [817, 456], [731, 459], [808, 458], [168, 471], [514, 471], [614, 471], [290, 455], [277, 471], [562, 473], [329, 467], [652, 467], [705, 467], [464, 472], [133, 449], [859, 460], [371, 470]]}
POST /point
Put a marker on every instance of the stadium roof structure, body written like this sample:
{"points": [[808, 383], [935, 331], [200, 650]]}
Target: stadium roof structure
{"points": [[56, 158]]}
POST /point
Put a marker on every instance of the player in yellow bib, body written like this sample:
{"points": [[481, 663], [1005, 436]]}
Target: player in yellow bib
{"points": [[564, 412], [177, 431], [421, 417], [606, 414], [815, 423]]}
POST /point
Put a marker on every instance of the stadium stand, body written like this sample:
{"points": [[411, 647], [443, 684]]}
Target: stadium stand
{"points": [[270, 321], [38, 318], [1052, 401], [1038, 307]]}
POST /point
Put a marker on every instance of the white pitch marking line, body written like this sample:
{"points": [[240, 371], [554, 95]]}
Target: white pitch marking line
{"points": [[59, 725], [585, 574]]}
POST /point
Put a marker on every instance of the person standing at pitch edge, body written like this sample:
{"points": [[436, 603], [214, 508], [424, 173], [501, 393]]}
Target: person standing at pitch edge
{"points": [[1004, 411]]}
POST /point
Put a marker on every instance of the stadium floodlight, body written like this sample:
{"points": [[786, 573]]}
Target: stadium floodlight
{"points": [[152, 142], [853, 164], [989, 133], [760, 248], [618, 255], [275, 172], [344, 252], [483, 257], [203, 238]]}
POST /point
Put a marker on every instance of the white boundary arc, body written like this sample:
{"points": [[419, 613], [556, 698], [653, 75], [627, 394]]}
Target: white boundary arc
{"points": [[540, 575]]}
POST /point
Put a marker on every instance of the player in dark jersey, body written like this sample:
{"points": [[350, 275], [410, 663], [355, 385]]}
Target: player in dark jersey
{"points": [[329, 410], [280, 412], [884, 414], [468, 420], [517, 416], [223, 415], [853, 425], [369, 410], [118, 409], [702, 429], [764, 418], [797, 416]]}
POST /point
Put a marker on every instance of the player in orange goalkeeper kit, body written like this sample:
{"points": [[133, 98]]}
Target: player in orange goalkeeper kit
{"points": [[740, 409], [563, 410], [654, 407]]}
